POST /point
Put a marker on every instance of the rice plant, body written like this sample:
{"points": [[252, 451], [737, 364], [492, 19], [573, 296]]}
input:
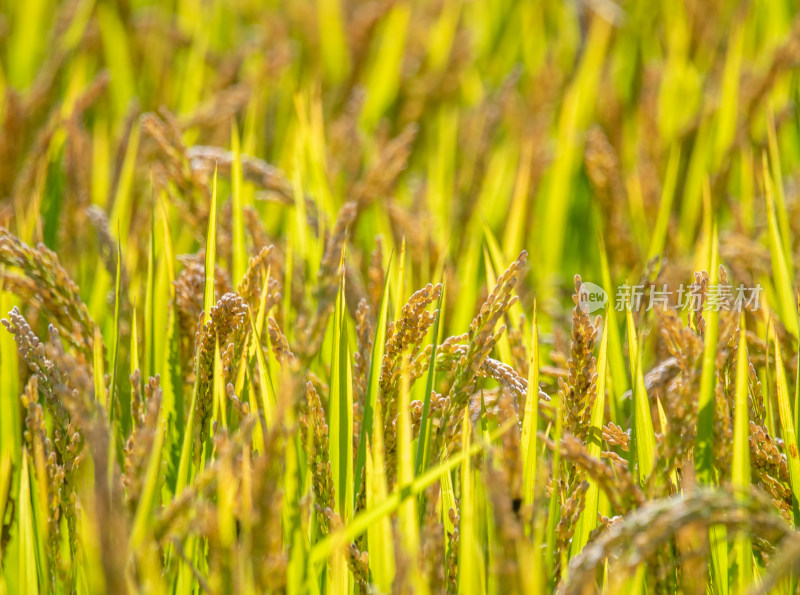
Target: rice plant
{"points": [[377, 296]]}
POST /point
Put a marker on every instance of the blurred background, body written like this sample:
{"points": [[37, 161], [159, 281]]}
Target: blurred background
{"points": [[537, 125]]}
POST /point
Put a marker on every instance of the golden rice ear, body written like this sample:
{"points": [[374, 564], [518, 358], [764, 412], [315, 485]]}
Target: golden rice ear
{"points": [[249, 288], [365, 333], [56, 292], [611, 472], [403, 336], [225, 329], [139, 446], [189, 303], [579, 391], [67, 385], [315, 442], [658, 521], [481, 334], [280, 346], [403, 354]]}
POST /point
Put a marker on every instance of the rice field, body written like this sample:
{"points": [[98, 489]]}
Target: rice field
{"points": [[399, 296]]}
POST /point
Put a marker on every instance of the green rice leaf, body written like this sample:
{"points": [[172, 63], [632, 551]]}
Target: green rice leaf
{"points": [[780, 264], [373, 382], [705, 422], [341, 409], [643, 432], [115, 345], [359, 524], [211, 254], [659, 235], [787, 429], [237, 222], [740, 471], [530, 420], [28, 574]]}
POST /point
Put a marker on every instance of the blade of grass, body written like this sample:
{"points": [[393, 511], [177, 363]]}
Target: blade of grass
{"points": [[515, 223], [373, 382], [97, 368], [787, 430], [779, 192], [117, 57], [150, 302], [407, 521], [6, 472], [781, 270], [219, 413], [554, 503], [28, 574], [340, 424], [115, 345], [704, 459], [120, 218], [727, 115], [191, 83], [293, 529], [797, 378], [616, 358], [10, 430], [643, 432], [148, 500], [468, 555], [383, 78], [659, 236], [440, 171], [361, 522], [531, 419], [708, 378], [442, 34], [747, 185], [740, 472], [101, 168], [692, 191], [25, 45], [238, 249], [172, 381], [211, 254], [575, 110], [469, 260], [341, 408], [332, 35], [134, 342], [265, 388], [379, 533]]}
